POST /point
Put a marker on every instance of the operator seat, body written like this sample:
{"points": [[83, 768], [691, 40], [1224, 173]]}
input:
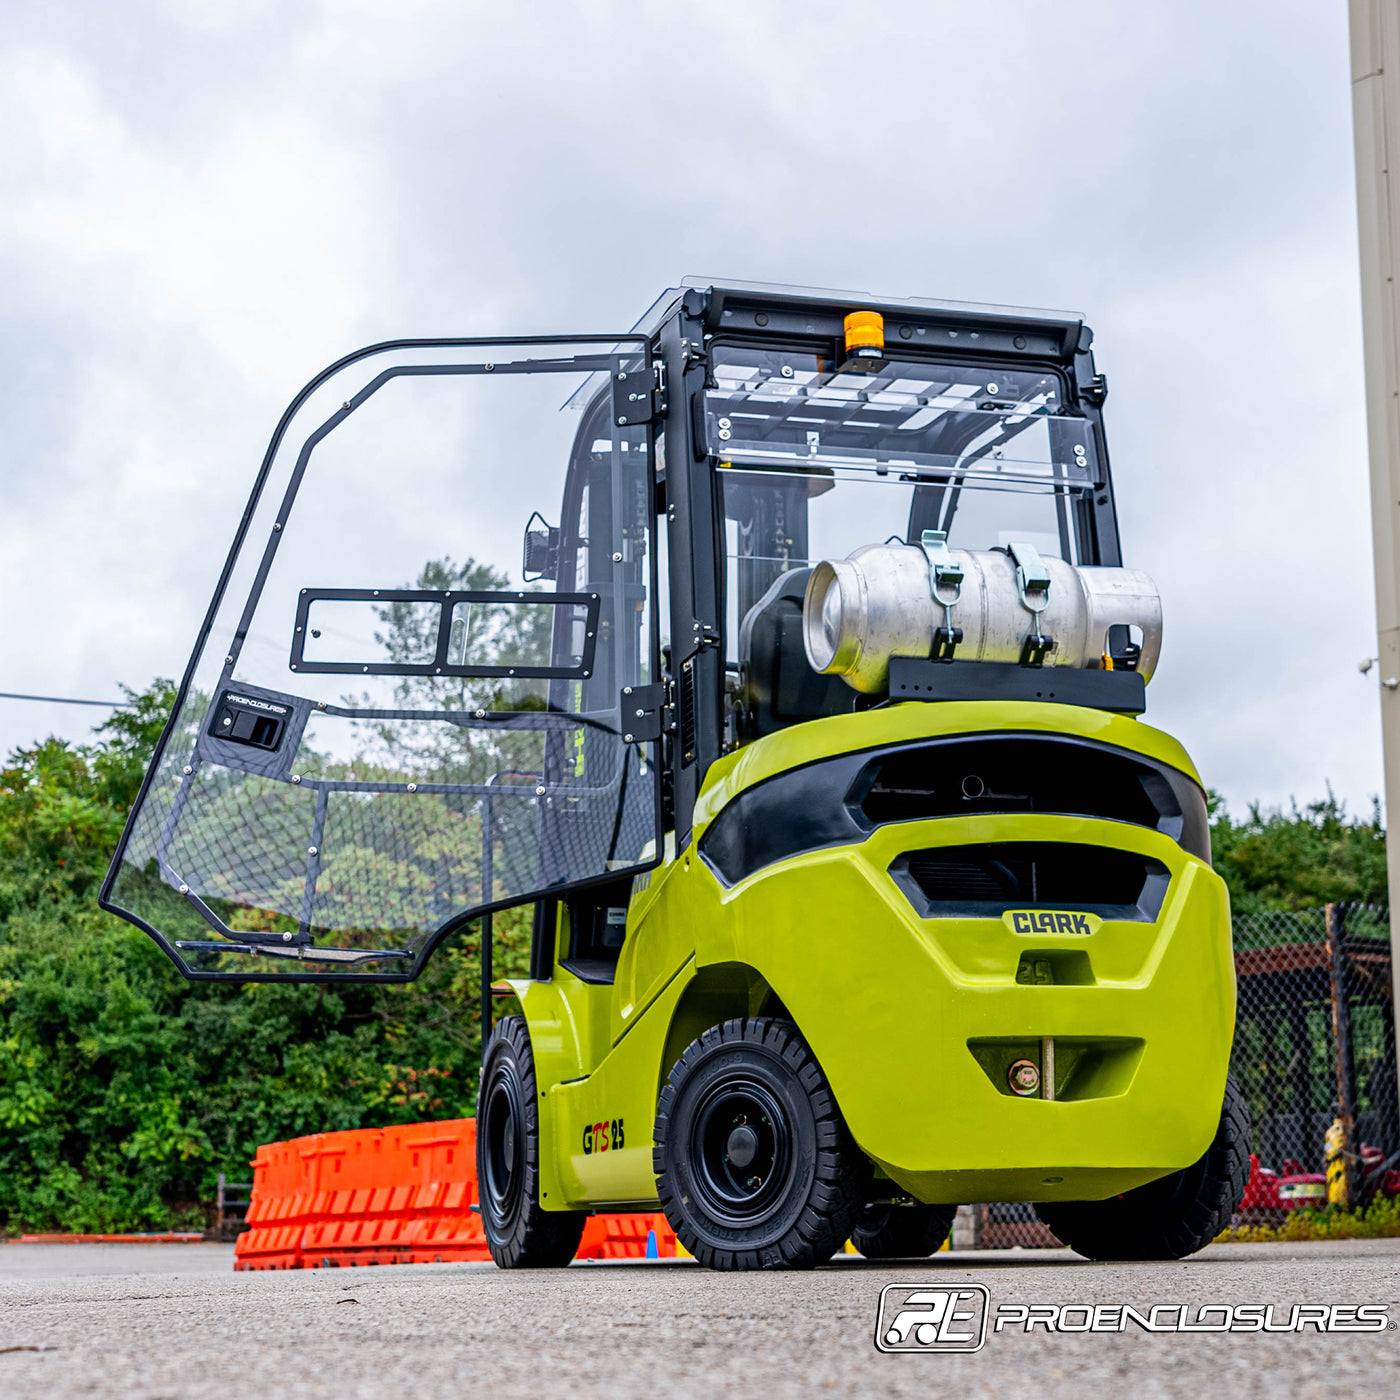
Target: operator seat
{"points": [[777, 683]]}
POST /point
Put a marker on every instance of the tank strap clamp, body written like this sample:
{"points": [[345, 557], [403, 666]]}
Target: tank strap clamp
{"points": [[945, 580], [1035, 648], [1033, 586], [945, 643]]}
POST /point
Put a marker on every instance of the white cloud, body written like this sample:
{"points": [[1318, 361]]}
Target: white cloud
{"points": [[200, 205]]}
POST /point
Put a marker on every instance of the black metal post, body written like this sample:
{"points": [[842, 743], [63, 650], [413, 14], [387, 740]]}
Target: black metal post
{"points": [[1341, 1043], [1300, 1075], [1383, 1101], [1270, 1024], [486, 979], [488, 880]]}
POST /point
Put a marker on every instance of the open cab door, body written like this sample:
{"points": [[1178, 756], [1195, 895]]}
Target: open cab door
{"points": [[392, 722]]}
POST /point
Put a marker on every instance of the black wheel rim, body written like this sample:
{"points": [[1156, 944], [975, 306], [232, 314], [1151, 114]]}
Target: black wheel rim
{"points": [[502, 1129], [741, 1152]]}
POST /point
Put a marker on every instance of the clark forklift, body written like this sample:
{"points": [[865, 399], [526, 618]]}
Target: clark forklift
{"points": [[806, 722]]}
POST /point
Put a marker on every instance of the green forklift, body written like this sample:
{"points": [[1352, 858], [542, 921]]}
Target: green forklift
{"points": [[779, 658]]}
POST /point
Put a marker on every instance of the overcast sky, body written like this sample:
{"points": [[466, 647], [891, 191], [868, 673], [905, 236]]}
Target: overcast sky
{"points": [[204, 201]]}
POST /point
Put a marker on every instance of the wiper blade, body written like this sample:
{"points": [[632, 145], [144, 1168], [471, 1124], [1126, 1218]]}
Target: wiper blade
{"points": [[301, 954]]}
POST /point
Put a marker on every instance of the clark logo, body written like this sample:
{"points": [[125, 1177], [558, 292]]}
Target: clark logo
{"points": [[1049, 921], [602, 1137]]}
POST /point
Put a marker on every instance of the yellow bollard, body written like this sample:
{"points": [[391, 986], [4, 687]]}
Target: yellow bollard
{"points": [[1336, 1166]]}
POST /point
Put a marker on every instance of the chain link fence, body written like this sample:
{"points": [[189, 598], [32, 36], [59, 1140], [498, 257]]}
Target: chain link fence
{"points": [[1314, 1044], [1315, 1034]]}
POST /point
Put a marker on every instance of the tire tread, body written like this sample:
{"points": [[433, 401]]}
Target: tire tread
{"points": [[538, 1239], [824, 1223], [1166, 1219]]}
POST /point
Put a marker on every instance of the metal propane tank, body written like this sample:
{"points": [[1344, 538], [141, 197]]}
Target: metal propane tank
{"points": [[1012, 605]]}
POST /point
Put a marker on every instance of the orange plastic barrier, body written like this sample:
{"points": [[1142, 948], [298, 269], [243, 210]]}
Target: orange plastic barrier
{"points": [[394, 1196], [627, 1237]]}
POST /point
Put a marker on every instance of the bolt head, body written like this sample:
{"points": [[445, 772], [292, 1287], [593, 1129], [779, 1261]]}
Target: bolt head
{"points": [[413, 787], [539, 792], [296, 777], [1024, 1078], [188, 769], [312, 850], [184, 889], [286, 938], [626, 738]]}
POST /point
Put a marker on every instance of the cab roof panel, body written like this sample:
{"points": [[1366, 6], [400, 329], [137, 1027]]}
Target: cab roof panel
{"points": [[757, 306]]}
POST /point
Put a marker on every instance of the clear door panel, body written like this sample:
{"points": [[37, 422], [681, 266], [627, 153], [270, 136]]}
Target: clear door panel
{"points": [[409, 706]]}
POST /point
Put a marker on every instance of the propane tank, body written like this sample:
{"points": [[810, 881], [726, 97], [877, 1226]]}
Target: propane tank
{"points": [[887, 600]]}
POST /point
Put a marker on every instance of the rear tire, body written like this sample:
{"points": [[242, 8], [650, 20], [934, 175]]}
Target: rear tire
{"points": [[885, 1231], [518, 1233], [754, 1165], [1170, 1218]]}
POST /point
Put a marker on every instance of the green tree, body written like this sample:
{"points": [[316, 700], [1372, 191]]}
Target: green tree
{"points": [[1299, 858], [124, 1089]]}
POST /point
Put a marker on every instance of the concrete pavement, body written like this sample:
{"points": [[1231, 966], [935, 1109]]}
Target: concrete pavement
{"points": [[166, 1322]]}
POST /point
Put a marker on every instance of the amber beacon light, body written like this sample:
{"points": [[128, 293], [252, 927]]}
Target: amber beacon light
{"points": [[865, 331]]}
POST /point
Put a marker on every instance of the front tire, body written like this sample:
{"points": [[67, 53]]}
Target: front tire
{"points": [[754, 1165], [885, 1231], [518, 1233], [1170, 1218]]}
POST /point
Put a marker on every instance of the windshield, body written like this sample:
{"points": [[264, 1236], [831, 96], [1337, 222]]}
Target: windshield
{"points": [[815, 463]]}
